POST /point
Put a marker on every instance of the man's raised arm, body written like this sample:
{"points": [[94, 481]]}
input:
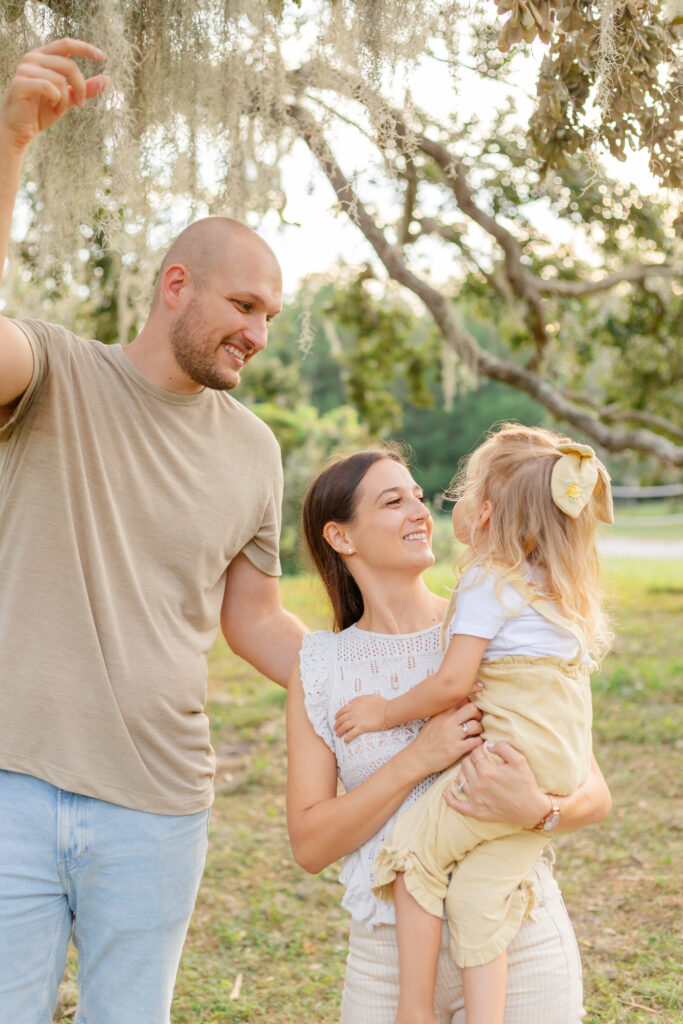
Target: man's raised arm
{"points": [[44, 87]]}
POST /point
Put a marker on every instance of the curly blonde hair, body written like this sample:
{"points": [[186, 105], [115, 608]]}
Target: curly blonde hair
{"points": [[512, 471]]}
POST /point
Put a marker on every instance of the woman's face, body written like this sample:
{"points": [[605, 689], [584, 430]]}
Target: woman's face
{"points": [[391, 528]]}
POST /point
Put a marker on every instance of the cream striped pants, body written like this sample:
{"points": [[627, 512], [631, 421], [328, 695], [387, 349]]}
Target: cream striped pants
{"points": [[544, 969]]}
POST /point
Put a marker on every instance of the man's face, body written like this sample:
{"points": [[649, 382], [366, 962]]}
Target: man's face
{"points": [[222, 323]]}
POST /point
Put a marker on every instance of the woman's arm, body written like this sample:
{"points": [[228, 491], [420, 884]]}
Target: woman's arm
{"points": [[451, 683], [509, 792], [324, 826]]}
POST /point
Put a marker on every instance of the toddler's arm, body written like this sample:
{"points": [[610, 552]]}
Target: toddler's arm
{"points": [[451, 684]]}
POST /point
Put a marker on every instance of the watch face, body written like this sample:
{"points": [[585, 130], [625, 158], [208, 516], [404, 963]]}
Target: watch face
{"points": [[551, 821]]}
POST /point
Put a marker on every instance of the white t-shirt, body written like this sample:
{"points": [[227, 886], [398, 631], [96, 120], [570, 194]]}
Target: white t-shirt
{"points": [[489, 608]]}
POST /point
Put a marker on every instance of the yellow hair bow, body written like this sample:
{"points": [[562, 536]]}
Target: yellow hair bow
{"points": [[578, 475]]}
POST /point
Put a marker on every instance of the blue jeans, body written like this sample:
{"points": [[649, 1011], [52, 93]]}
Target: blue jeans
{"points": [[125, 880]]}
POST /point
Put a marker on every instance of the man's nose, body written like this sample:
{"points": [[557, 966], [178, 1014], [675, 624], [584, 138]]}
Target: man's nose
{"points": [[256, 331]]}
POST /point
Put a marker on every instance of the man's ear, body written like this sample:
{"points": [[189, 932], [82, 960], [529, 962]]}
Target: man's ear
{"points": [[336, 537], [175, 278]]}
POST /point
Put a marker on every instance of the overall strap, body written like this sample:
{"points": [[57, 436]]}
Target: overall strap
{"points": [[550, 612], [543, 607]]}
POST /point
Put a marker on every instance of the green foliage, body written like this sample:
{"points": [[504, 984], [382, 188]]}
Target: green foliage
{"points": [[385, 345], [307, 439]]}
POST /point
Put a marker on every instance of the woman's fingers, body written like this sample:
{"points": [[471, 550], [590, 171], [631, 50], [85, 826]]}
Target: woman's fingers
{"points": [[472, 727], [507, 753], [467, 710]]}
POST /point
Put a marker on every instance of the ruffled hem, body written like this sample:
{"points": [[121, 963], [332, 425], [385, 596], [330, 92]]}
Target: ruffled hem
{"points": [[390, 862], [363, 906], [498, 943]]}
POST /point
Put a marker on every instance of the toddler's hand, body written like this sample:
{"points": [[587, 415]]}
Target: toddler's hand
{"points": [[364, 714]]}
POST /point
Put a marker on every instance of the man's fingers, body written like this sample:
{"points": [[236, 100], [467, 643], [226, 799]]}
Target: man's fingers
{"points": [[46, 75], [63, 67], [36, 88], [96, 86], [68, 47]]}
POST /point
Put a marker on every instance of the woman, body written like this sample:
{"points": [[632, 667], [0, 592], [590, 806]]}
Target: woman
{"points": [[370, 537]]}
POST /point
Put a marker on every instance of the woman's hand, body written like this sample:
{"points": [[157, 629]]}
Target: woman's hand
{"points": [[362, 714], [505, 791], [447, 737]]}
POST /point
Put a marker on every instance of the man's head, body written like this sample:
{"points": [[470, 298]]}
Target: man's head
{"points": [[218, 288]]}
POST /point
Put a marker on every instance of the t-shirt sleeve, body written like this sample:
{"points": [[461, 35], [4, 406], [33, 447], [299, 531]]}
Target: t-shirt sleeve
{"points": [[483, 604], [263, 550], [39, 335], [315, 664]]}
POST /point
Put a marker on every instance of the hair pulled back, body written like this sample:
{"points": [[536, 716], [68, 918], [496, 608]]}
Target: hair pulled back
{"points": [[332, 497]]}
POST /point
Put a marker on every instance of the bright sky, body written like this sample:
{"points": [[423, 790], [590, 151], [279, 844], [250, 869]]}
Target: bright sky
{"points": [[316, 239]]}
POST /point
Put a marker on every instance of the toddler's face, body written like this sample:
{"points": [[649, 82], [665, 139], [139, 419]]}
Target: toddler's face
{"points": [[461, 527], [465, 519]]}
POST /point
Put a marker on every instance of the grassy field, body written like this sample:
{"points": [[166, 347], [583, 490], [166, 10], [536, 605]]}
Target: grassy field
{"points": [[267, 942], [648, 520]]}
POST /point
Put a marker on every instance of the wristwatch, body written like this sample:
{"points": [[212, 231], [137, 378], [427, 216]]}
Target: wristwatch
{"points": [[551, 819]]}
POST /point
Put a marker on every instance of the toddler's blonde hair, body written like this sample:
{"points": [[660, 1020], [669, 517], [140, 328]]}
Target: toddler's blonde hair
{"points": [[512, 470]]}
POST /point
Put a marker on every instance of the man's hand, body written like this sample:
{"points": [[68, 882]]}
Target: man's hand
{"points": [[45, 86], [363, 714]]}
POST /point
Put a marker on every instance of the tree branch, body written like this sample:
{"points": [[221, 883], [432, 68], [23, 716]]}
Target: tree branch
{"points": [[432, 226], [524, 284], [403, 231], [636, 272], [455, 336]]}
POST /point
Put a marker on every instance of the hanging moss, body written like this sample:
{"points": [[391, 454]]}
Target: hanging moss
{"points": [[201, 104]]}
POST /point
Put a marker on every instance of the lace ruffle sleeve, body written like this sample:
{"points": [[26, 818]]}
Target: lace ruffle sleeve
{"points": [[315, 663]]}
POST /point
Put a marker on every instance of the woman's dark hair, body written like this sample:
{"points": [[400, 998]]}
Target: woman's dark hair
{"points": [[332, 497]]}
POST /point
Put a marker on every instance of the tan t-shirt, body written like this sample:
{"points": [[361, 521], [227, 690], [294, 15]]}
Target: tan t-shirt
{"points": [[121, 506]]}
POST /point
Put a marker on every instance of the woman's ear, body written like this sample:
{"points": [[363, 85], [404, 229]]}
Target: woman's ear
{"points": [[336, 537]]}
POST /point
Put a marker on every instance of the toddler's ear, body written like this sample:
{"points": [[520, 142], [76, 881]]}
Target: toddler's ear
{"points": [[485, 515]]}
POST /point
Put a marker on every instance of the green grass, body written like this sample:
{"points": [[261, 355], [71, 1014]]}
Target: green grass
{"points": [[651, 520], [267, 942]]}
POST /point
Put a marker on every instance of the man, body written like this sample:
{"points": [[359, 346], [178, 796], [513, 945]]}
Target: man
{"points": [[139, 505]]}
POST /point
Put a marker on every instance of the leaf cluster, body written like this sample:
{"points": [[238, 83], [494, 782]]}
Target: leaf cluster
{"points": [[625, 57], [385, 346]]}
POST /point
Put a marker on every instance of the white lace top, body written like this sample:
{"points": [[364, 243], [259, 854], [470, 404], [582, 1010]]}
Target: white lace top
{"points": [[335, 668]]}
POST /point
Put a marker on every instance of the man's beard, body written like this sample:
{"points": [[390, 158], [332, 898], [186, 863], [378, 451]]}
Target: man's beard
{"points": [[194, 354]]}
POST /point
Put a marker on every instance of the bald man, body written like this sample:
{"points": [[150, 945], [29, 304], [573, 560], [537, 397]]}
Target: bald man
{"points": [[139, 508]]}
